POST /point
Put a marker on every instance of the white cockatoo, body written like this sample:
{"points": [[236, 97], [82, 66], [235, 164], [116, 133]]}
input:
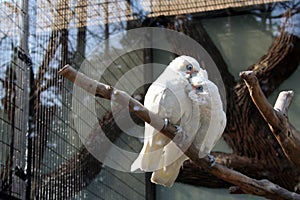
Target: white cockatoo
{"points": [[213, 118], [168, 98], [179, 96]]}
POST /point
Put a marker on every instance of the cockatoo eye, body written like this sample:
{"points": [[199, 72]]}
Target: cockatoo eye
{"points": [[189, 67], [199, 88]]}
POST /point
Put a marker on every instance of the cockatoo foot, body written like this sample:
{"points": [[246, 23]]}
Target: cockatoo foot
{"points": [[166, 123], [180, 136], [212, 160], [179, 130]]}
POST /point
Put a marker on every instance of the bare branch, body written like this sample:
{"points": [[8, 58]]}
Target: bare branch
{"points": [[259, 99], [192, 174], [287, 136], [106, 91], [248, 185]]}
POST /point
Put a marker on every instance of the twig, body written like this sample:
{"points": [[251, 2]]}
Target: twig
{"points": [[287, 136], [246, 184]]}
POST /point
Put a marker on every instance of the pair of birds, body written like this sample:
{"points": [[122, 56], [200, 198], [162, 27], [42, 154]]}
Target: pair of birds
{"points": [[184, 96]]}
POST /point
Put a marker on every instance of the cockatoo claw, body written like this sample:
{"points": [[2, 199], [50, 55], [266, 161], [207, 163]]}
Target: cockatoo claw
{"points": [[183, 137], [178, 129], [166, 123], [212, 160]]}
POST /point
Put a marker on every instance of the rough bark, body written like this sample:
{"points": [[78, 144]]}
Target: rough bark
{"points": [[287, 136], [82, 168]]}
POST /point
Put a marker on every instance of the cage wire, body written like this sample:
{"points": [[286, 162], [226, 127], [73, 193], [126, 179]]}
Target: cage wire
{"points": [[12, 97], [54, 165]]}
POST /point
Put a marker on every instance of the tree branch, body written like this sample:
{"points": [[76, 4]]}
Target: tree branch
{"points": [[287, 136], [248, 185], [259, 99], [192, 174]]}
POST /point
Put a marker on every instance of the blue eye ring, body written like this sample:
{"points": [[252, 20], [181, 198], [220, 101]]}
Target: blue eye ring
{"points": [[189, 67], [199, 88]]}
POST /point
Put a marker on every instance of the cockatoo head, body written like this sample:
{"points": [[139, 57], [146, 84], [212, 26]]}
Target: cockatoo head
{"points": [[200, 92], [202, 73], [204, 91], [185, 66]]}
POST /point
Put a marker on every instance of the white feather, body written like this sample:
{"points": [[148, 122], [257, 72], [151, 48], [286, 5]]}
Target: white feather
{"points": [[213, 118], [172, 96]]}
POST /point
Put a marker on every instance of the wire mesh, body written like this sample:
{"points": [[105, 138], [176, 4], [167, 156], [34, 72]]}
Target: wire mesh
{"points": [[51, 159], [13, 64]]}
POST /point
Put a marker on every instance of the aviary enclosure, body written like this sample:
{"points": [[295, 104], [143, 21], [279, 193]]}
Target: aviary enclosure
{"points": [[41, 153]]}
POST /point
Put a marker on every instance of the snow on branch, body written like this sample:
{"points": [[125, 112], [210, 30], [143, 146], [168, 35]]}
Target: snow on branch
{"points": [[246, 184], [287, 136]]}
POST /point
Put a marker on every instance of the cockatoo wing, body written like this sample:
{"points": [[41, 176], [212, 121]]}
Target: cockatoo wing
{"points": [[214, 131], [172, 156], [213, 119], [163, 98], [166, 176], [167, 97]]}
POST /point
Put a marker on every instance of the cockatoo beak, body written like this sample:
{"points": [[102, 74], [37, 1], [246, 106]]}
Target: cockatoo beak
{"points": [[191, 72]]}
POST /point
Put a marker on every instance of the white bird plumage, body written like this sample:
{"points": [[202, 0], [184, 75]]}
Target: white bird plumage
{"points": [[174, 96], [213, 118]]}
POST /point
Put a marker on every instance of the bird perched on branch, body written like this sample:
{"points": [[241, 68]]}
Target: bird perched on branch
{"points": [[178, 95], [213, 119]]}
